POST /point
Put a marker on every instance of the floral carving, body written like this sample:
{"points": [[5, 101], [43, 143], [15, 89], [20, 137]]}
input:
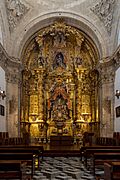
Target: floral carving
{"points": [[104, 9], [15, 11]]}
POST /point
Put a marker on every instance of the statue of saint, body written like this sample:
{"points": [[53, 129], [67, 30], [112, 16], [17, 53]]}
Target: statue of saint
{"points": [[59, 61]]}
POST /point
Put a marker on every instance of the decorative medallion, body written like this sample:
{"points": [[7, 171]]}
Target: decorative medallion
{"points": [[15, 11], [104, 9]]}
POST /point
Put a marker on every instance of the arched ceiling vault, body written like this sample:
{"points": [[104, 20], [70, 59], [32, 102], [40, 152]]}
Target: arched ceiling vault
{"points": [[89, 31]]}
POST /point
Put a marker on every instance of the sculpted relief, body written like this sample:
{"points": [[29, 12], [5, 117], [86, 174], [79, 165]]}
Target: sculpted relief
{"points": [[15, 11], [105, 9]]}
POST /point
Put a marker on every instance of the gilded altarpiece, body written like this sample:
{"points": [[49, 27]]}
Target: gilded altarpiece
{"points": [[59, 93]]}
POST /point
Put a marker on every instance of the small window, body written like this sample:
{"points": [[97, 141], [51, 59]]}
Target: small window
{"points": [[118, 111], [2, 110]]}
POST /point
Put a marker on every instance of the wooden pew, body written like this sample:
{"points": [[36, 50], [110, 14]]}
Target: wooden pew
{"points": [[84, 148], [34, 151], [112, 170], [10, 169], [39, 149], [101, 158], [24, 157], [89, 152], [105, 141]]}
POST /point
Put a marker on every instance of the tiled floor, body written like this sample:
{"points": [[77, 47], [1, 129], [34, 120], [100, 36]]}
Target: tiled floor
{"points": [[62, 168]]}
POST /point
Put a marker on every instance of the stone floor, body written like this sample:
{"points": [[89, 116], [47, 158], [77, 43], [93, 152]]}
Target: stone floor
{"points": [[62, 168]]}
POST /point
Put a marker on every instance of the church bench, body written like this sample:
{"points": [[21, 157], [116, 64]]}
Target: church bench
{"points": [[112, 170], [10, 169], [84, 148], [101, 158], [34, 151], [89, 152], [38, 150], [24, 157]]}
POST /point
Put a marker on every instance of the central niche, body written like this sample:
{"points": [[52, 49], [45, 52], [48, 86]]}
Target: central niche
{"points": [[59, 91]]}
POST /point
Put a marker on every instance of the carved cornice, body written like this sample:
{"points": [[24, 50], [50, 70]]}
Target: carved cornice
{"points": [[107, 71], [5, 60], [108, 67], [105, 9], [10, 64], [15, 11]]}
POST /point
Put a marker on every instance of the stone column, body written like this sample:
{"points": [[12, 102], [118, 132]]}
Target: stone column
{"points": [[106, 91]]}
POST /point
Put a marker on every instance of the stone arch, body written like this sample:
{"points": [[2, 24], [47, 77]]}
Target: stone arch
{"points": [[72, 19]]}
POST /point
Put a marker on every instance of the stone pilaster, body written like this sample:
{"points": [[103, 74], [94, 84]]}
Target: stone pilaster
{"points": [[107, 76], [12, 68]]}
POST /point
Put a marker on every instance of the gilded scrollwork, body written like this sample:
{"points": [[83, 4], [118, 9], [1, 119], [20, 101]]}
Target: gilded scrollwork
{"points": [[59, 83]]}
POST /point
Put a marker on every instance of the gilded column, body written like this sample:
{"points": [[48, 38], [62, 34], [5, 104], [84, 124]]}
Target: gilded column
{"points": [[40, 94], [78, 95]]}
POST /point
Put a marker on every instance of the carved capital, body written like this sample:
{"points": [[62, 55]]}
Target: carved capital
{"points": [[107, 72], [13, 77], [6, 61], [104, 10], [108, 77]]}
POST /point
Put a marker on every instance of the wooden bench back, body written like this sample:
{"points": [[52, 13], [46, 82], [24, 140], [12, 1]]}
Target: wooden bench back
{"points": [[101, 158], [90, 152], [106, 156], [16, 156], [112, 170], [10, 169]]}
